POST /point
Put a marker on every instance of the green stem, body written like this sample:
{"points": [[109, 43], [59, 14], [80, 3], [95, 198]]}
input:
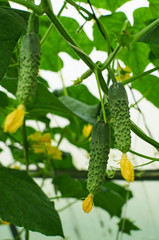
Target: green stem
{"points": [[46, 35], [110, 58], [145, 30], [30, 27], [143, 136], [63, 84], [67, 206], [140, 75], [25, 146], [28, 4], [101, 99], [26, 234], [70, 40], [79, 8], [144, 156]]}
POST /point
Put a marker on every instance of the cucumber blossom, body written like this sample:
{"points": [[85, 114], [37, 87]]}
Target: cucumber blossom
{"points": [[29, 60], [118, 103], [99, 151]]}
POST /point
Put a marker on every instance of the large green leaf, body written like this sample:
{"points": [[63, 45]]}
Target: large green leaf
{"points": [[106, 4], [149, 87], [23, 203], [154, 8], [111, 198], [56, 44], [141, 16], [136, 57], [80, 92], [46, 102], [13, 23], [113, 23]]}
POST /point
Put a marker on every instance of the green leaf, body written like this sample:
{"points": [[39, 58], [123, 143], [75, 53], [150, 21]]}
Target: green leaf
{"points": [[142, 17], [128, 226], [23, 203], [136, 57], [154, 8], [3, 100], [46, 102], [13, 23], [106, 4], [111, 198], [148, 86], [80, 92], [82, 110], [55, 44], [113, 23]]}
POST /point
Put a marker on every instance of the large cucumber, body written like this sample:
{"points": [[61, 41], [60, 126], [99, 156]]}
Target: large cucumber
{"points": [[29, 60], [99, 151], [118, 103]]}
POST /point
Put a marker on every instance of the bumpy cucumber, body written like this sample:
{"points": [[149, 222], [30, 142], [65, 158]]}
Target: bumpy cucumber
{"points": [[29, 60], [99, 151], [118, 102]]}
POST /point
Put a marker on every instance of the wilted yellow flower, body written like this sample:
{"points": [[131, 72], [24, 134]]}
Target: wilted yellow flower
{"points": [[124, 74], [14, 120], [54, 152], [87, 130], [127, 170], [87, 203]]}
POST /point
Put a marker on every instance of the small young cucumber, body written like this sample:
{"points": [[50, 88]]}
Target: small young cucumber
{"points": [[99, 151], [118, 103], [29, 60]]}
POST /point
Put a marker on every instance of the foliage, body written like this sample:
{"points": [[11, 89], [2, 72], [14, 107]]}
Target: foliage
{"points": [[23, 202]]}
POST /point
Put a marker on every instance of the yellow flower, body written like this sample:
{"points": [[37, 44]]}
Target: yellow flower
{"points": [[54, 152], [88, 203], [35, 136], [124, 74], [87, 130], [127, 170], [14, 120], [46, 138]]}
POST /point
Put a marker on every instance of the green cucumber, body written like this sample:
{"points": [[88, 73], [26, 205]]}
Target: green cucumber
{"points": [[29, 60], [99, 151], [119, 109]]}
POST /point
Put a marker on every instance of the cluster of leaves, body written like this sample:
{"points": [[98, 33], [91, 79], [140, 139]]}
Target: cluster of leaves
{"points": [[22, 201]]}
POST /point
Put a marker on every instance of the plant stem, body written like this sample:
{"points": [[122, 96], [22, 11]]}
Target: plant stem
{"points": [[30, 27], [144, 156], [145, 30], [25, 146], [101, 99], [143, 136], [68, 205], [78, 8], [46, 35], [70, 40], [26, 234], [28, 4], [140, 75]]}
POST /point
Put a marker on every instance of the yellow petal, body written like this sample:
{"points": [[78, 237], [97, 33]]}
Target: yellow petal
{"points": [[46, 138], [14, 120], [127, 170], [54, 152], [35, 136], [87, 130], [88, 203], [127, 69]]}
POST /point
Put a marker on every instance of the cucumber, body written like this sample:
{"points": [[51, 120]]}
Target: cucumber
{"points": [[29, 60], [119, 109], [99, 151]]}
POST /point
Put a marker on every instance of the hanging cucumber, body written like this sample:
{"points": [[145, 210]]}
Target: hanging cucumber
{"points": [[29, 60], [118, 103], [99, 151]]}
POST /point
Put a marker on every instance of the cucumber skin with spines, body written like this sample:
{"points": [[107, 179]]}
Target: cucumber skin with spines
{"points": [[29, 60], [99, 151], [119, 109]]}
